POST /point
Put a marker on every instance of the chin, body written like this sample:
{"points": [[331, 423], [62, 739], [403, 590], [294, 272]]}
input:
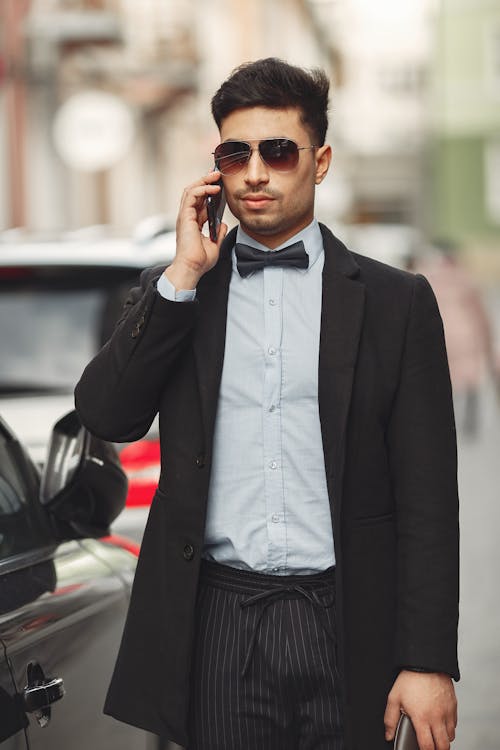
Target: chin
{"points": [[261, 226]]}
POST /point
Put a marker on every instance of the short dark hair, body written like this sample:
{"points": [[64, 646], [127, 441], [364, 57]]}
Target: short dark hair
{"points": [[274, 83]]}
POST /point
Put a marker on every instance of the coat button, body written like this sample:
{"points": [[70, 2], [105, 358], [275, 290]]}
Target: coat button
{"points": [[200, 461], [188, 552], [137, 328]]}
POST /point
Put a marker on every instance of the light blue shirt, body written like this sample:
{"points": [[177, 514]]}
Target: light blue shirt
{"points": [[268, 507]]}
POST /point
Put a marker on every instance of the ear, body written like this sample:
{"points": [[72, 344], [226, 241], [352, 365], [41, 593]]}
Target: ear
{"points": [[323, 157]]}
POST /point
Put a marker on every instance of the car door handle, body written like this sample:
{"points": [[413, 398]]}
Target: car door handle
{"points": [[41, 696]]}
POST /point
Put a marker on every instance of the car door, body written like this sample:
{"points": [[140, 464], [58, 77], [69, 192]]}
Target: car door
{"points": [[62, 609]]}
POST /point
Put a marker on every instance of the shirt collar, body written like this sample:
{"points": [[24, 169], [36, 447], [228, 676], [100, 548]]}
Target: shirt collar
{"points": [[311, 237]]}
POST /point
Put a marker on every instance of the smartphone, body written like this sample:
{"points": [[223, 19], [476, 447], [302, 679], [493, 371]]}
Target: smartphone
{"points": [[215, 209], [406, 738]]}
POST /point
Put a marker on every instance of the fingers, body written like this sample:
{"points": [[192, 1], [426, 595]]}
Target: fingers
{"points": [[432, 736], [193, 249], [195, 252], [435, 731], [450, 725], [193, 202], [209, 179], [441, 738], [197, 192], [429, 699], [391, 717], [424, 737], [193, 208]]}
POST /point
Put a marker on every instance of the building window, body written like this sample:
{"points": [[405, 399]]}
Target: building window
{"points": [[492, 181], [492, 57], [404, 80]]}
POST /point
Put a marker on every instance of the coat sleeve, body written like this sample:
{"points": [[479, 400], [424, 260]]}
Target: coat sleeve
{"points": [[423, 464], [119, 392]]}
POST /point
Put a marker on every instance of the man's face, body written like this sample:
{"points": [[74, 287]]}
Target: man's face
{"points": [[272, 206]]}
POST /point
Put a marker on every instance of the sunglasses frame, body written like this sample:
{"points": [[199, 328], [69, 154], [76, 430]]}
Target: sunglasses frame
{"points": [[248, 154]]}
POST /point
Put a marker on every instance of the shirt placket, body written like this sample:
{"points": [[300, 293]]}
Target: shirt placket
{"points": [[271, 419]]}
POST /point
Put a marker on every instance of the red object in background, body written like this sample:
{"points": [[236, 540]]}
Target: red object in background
{"points": [[12, 272], [123, 542], [141, 463]]}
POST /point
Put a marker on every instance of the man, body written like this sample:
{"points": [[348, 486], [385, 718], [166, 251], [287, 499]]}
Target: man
{"points": [[297, 584]]}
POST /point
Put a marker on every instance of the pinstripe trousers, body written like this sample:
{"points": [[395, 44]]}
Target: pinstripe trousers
{"points": [[264, 671]]}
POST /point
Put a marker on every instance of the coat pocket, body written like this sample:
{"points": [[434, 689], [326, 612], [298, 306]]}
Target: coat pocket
{"points": [[374, 520]]}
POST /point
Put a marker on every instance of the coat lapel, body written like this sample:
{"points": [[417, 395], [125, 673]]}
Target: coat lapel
{"points": [[341, 323], [209, 341]]}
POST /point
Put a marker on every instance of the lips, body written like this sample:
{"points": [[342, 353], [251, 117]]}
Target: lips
{"points": [[256, 201]]}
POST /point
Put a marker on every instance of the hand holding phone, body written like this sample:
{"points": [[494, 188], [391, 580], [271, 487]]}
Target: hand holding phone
{"points": [[195, 252]]}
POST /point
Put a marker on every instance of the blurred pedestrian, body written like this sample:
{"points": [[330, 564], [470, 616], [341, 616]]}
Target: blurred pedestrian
{"points": [[467, 329], [297, 585]]}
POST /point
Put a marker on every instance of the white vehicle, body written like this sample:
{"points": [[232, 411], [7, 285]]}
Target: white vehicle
{"points": [[59, 301]]}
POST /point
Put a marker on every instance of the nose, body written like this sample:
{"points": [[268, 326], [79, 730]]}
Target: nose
{"points": [[256, 170]]}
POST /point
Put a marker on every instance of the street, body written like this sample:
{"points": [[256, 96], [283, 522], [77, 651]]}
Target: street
{"points": [[479, 631]]}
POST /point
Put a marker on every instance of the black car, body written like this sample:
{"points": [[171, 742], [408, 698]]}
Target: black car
{"points": [[62, 610]]}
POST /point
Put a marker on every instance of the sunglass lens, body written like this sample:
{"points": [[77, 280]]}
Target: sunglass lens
{"points": [[231, 156], [279, 153]]}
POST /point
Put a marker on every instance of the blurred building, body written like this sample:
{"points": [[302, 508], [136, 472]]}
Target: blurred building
{"points": [[466, 123], [141, 54], [106, 102], [380, 118], [105, 108]]}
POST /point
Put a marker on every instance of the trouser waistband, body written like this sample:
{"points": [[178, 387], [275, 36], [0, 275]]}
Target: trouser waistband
{"points": [[262, 590], [253, 582]]}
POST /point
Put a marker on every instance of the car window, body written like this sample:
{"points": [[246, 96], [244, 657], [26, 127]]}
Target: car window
{"points": [[47, 336], [23, 523], [53, 322]]}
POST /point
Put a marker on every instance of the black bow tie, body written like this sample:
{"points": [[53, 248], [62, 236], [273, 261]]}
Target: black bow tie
{"points": [[250, 259]]}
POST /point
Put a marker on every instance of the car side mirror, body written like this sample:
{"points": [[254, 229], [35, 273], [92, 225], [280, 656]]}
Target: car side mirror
{"points": [[83, 485]]}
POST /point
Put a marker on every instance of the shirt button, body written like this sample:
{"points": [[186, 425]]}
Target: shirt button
{"points": [[273, 465], [188, 552], [272, 302], [271, 350], [275, 518], [272, 407]]}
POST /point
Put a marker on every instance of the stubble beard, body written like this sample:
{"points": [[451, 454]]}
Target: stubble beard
{"points": [[265, 225], [269, 226], [262, 225]]}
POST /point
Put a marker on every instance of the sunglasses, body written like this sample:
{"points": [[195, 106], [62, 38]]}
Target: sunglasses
{"points": [[280, 154]]}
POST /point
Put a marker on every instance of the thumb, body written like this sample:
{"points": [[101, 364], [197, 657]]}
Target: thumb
{"points": [[221, 234], [391, 718]]}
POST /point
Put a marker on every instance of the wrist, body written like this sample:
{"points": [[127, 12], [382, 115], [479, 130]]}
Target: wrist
{"points": [[182, 277], [422, 670]]}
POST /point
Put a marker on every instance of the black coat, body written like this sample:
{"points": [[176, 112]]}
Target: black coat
{"points": [[390, 456]]}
